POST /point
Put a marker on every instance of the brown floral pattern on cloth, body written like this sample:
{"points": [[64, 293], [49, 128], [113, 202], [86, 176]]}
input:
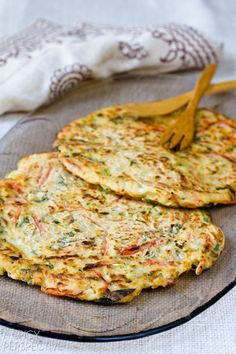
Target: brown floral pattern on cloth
{"points": [[106, 50], [184, 42], [187, 44], [87, 30], [29, 40], [63, 80], [133, 51]]}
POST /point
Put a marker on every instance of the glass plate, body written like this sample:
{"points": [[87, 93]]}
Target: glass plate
{"points": [[26, 308]]}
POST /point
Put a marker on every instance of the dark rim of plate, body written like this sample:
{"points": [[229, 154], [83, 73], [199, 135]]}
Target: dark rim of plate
{"points": [[129, 336]]}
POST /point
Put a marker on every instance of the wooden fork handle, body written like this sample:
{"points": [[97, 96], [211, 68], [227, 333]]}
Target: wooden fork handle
{"points": [[171, 104], [201, 86], [221, 87]]}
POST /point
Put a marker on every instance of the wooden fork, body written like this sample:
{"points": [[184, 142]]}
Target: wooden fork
{"points": [[181, 133], [169, 105]]}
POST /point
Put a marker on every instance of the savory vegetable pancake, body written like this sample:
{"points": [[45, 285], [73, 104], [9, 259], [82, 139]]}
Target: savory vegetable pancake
{"points": [[120, 151], [82, 241]]}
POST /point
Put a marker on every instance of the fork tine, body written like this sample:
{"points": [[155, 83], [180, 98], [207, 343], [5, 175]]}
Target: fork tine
{"points": [[176, 139], [187, 139], [180, 135], [184, 143], [167, 136]]}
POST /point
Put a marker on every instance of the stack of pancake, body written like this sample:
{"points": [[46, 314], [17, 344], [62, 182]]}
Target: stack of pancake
{"points": [[111, 212]]}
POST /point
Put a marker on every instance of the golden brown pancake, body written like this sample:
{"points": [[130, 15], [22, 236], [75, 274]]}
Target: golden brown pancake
{"points": [[82, 241], [120, 151]]}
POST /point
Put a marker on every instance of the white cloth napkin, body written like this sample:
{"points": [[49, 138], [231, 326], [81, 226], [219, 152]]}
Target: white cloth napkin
{"points": [[45, 60]]}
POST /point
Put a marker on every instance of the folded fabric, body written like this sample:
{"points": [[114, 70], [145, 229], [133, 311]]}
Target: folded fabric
{"points": [[45, 60]]}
